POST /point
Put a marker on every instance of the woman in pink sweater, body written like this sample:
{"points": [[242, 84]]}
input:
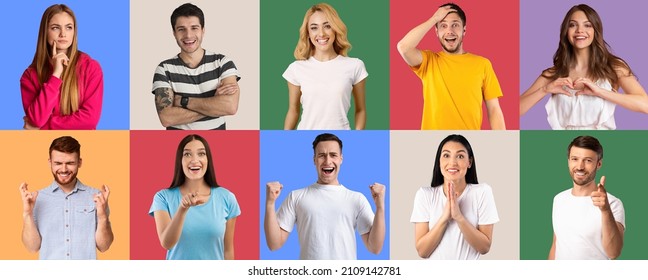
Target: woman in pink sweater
{"points": [[63, 87]]}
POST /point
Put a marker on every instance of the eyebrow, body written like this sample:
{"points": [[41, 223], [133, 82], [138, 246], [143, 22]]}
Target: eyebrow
{"points": [[326, 22], [201, 149], [460, 151]]}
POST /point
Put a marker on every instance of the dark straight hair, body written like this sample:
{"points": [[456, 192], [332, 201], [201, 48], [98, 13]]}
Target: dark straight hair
{"points": [[471, 174], [178, 173]]}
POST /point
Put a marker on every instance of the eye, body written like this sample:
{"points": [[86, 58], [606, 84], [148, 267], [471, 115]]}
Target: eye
{"points": [[202, 154], [461, 156], [328, 26], [445, 155], [186, 154]]}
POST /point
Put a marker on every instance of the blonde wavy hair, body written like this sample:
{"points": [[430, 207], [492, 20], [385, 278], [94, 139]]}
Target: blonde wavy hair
{"points": [[69, 99], [305, 47]]}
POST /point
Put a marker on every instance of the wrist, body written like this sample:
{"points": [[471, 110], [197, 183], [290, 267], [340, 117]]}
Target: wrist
{"points": [[184, 102]]}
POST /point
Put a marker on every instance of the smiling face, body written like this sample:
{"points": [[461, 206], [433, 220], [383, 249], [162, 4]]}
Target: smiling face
{"points": [[321, 33], [65, 167], [454, 162], [194, 160], [188, 34], [328, 158], [450, 32], [61, 30], [583, 164], [581, 31]]}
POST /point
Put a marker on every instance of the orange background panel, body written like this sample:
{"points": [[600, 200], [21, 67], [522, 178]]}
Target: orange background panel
{"points": [[105, 156]]}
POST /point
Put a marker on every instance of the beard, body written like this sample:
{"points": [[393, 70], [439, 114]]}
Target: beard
{"points": [[71, 178], [583, 182]]}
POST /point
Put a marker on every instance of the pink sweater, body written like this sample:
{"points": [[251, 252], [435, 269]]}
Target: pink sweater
{"points": [[42, 104]]}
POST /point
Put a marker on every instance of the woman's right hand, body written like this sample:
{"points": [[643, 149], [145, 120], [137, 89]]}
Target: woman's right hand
{"points": [[560, 85], [58, 61], [191, 199]]}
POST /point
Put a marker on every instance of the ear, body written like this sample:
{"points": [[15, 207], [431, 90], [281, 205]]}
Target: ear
{"points": [[341, 158], [80, 162], [599, 164]]}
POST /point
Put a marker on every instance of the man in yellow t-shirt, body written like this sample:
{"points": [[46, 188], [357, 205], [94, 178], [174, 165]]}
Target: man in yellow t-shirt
{"points": [[454, 82]]}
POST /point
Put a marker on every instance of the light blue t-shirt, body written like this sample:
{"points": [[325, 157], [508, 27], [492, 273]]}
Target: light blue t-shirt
{"points": [[203, 232]]}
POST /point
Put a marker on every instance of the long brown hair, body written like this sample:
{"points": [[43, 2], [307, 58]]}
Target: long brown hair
{"points": [[69, 99], [602, 63], [305, 47], [178, 173]]}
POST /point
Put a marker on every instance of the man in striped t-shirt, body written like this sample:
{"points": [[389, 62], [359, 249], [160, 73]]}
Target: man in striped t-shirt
{"points": [[194, 89]]}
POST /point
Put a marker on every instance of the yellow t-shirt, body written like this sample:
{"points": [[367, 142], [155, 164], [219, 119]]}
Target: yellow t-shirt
{"points": [[454, 87]]}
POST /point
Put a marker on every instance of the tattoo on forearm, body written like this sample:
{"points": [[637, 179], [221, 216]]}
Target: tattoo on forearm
{"points": [[163, 99]]}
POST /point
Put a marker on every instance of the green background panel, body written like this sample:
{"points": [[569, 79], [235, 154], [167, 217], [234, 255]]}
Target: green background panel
{"points": [[368, 25], [544, 173]]}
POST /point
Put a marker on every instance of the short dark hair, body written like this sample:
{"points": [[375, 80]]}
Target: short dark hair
{"points": [[587, 142], [187, 10], [178, 173], [471, 173], [326, 137], [458, 9], [65, 144]]}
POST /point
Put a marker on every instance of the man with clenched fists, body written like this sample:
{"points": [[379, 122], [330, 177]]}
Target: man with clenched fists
{"points": [[588, 222], [326, 213]]}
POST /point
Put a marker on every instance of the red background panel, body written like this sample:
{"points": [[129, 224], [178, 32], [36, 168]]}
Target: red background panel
{"points": [[492, 31], [236, 156]]}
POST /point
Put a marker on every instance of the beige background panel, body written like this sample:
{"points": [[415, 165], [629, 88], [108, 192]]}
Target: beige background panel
{"points": [[497, 160], [231, 28], [105, 160]]}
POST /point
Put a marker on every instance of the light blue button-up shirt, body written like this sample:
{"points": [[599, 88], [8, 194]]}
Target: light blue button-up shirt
{"points": [[66, 222]]}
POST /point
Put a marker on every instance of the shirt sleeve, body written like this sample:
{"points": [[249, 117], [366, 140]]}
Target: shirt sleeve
{"points": [[228, 68], [290, 74], [618, 211], [487, 210], [286, 215], [421, 70], [160, 202], [420, 211], [160, 79], [233, 209], [364, 222], [39, 101], [491, 85], [360, 72]]}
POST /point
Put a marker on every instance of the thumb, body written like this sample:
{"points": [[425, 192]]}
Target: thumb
{"points": [[601, 185]]}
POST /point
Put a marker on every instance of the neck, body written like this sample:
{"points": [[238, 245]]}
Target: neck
{"points": [[192, 59], [335, 182], [324, 56], [459, 51], [67, 188], [198, 185], [585, 190], [582, 59]]}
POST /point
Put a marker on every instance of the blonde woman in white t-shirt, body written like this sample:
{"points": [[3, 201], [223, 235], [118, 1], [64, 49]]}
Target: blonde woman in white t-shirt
{"points": [[323, 78], [453, 218]]}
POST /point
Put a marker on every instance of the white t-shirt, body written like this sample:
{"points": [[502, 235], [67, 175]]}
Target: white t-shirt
{"points": [[327, 217], [581, 112], [477, 204], [578, 227], [326, 89]]}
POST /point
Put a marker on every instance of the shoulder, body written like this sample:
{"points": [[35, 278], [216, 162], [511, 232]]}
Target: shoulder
{"points": [[479, 59], [613, 199], [166, 193], [563, 195], [482, 188], [175, 60], [215, 57], [86, 62], [223, 192]]}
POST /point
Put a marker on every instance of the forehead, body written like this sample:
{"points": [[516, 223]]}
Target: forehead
{"points": [[579, 16], [452, 17], [582, 152], [194, 145], [63, 157], [453, 146], [61, 18], [327, 147], [317, 18], [184, 21]]}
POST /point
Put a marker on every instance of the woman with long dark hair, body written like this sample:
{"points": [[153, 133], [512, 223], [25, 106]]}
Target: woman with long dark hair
{"points": [[453, 217], [195, 217], [585, 78], [63, 87]]}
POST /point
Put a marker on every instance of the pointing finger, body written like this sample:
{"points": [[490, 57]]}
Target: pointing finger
{"points": [[53, 47], [601, 185]]}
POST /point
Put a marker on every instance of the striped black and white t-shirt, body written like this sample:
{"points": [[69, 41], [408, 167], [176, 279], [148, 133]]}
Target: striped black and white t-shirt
{"points": [[199, 82]]}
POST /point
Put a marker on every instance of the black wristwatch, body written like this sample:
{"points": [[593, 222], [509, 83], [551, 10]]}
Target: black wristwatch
{"points": [[184, 101]]}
